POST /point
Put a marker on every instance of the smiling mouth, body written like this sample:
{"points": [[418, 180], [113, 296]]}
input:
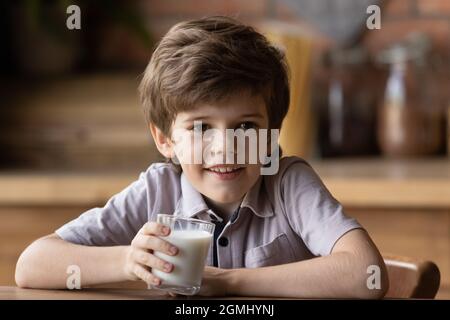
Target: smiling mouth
{"points": [[224, 169], [225, 172]]}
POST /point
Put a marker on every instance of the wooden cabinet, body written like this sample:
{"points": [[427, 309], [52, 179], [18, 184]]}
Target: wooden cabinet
{"points": [[21, 225]]}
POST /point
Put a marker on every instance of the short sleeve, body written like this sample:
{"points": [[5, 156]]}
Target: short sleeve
{"points": [[316, 216], [114, 224]]}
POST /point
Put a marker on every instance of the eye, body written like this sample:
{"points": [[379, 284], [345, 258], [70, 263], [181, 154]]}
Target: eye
{"points": [[247, 125], [200, 127]]}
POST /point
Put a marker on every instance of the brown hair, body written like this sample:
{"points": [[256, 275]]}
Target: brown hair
{"points": [[207, 60]]}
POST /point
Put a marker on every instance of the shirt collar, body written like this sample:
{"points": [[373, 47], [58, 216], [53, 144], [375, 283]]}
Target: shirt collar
{"points": [[257, 199], [191, 202]]}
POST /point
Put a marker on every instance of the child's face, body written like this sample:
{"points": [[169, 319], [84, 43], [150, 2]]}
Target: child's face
{"points": [[242, 111]]}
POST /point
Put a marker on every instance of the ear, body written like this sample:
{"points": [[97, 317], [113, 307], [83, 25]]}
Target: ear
{"points": [[163, 143]]}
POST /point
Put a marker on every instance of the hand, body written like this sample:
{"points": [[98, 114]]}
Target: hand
{"points": [[139, 258], [215, 282]]}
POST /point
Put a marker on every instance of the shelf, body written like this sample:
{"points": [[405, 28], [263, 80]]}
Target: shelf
{"points": [[355, 183], [388, 183], [61, 189]]}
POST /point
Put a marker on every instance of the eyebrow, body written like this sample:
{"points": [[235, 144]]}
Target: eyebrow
{"points": [[195, 118], [249, 115], [253, 115]]}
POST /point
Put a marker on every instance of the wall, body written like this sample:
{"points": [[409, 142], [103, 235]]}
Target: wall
{"points": [[398, 16]]}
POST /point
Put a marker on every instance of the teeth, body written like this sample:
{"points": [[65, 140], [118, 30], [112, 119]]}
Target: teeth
{"points": [[224, 169]]}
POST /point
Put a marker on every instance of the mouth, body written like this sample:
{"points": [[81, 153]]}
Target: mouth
{"points": [[225, 172]]}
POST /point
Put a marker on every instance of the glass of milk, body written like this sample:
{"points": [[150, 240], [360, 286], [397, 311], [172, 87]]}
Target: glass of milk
{"points": [[192, 237]]}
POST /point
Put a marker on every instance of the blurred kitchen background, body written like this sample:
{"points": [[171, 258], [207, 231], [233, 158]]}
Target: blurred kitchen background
{"points": [[370, 110]]}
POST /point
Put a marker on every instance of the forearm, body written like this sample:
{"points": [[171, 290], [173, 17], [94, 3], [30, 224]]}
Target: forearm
{"points": [[44, 264], [340, 275]]}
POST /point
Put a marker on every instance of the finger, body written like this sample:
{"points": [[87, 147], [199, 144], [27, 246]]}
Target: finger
{"points": [[144, 274], [148, 259], [154, 243], [153, 228]]}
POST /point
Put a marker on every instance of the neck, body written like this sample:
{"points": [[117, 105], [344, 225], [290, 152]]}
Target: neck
{"points": [[224, 210]]}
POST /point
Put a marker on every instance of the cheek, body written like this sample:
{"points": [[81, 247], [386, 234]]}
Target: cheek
{"points": [[254, 171], [255, 150], [193, 172], [184, 148]]}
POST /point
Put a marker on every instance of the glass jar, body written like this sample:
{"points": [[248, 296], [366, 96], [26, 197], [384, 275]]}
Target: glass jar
{"points": [[345, 99], [409, 118]]}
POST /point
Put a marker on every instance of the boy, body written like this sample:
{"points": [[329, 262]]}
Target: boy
{"points": [[280, 234]]}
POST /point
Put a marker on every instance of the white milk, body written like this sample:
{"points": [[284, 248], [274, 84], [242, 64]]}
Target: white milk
{"points": [[193, 246]]}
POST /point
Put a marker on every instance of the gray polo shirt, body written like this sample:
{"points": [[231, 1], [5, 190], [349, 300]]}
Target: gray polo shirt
{"points": [[283, 218]]}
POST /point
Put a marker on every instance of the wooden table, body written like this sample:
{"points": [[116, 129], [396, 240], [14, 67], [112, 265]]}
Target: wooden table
{"points": [[16, 293]]}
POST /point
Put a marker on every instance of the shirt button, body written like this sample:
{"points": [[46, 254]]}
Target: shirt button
{"points": [[223, 242]]}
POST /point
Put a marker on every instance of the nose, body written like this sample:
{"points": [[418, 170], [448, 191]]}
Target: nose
{"points": [[218, 143], [218, 147]]}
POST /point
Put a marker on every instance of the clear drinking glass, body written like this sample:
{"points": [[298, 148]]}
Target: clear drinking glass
{"points": [[192, 237]]}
